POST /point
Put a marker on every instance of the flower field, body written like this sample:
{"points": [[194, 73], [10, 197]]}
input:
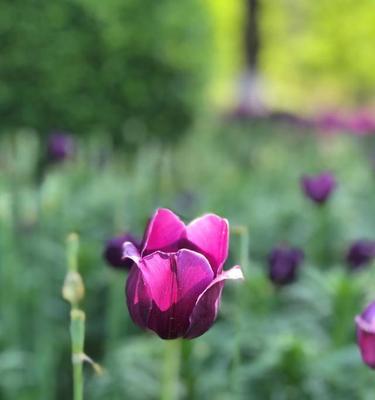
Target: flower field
{"points": [[300, 207]]}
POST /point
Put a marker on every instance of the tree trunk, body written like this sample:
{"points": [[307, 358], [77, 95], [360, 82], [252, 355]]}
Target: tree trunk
{"points": [[250, 91], [252, 34]]}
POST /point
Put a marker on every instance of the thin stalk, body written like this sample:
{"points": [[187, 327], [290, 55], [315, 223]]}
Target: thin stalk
{"points": [[321, 235], [171, 370], [73, 292], [243, 233], [188, 370], [116, 322], [77, 333]]}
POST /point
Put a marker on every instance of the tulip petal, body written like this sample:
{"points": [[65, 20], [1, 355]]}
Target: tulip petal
{"points": [[366, 341], [138, 298], [207, 305], [209, 235], [129, 250], [163, 233], [364, 325], [175, 281]]}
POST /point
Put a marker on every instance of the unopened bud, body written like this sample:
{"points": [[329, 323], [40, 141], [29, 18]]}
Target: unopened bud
{"points": [[73, 290]]}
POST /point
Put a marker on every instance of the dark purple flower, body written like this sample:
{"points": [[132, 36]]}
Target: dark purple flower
{"points": [[289, 118], [284, 263], [175, 284], [113, 252], [366, 334], [360, 253], [319, 187], [60, 147]]}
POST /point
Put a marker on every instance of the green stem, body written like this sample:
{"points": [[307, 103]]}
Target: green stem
{"points": [[77, 332], [116, 322], [171, 370], [73, 291], [244, 249], [243, 233], [321, 235], [188, 369]]}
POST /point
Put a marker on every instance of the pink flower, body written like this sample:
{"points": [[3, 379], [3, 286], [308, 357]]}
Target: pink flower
{"points": [[174, 286]]}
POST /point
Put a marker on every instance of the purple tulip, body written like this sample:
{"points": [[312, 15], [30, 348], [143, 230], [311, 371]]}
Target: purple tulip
{"points": [[360, 253], [366, 334], [113, 252], [319, 187], [331, 122], [284, 263], [362, 123], [174, 287], [60, 146]]}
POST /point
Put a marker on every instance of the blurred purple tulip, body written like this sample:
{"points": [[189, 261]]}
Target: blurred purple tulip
{"points": [[284, 263], [360, 253], [113, 251], [362, 123], [60, 146], [318, 188], [366, 334], [174, 287], [331, 122]]}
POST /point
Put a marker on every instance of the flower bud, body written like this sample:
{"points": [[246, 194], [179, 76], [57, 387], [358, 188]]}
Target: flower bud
{"points": [[284, 263], [360, 253], [318, 188], [113, 251], [60, 146], [73, 289]]}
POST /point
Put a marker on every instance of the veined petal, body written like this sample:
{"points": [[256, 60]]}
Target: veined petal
{"points": [[138, 297], [206, 308], [175, 281], [364, 325], [210, 235], [163, 233], [129, 250]]}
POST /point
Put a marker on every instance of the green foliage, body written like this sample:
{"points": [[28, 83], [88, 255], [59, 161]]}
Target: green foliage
{"points": [[129, 67], [296, 342], [319, 51]]}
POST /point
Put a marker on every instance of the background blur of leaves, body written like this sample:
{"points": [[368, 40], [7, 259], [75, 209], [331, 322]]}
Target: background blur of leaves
{"points": [[140, 69], [144, 74], [117, 66]]}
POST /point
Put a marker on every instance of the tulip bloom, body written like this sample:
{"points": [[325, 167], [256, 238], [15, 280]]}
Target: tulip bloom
{"points": [[366, 334], [284, 263], [360, 253], [113, 251], [60, 146], [174, 287], [362, 123], [331, 122], [318, 188]]}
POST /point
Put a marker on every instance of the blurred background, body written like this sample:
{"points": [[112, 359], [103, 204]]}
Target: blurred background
{"points": [[111, 109]]}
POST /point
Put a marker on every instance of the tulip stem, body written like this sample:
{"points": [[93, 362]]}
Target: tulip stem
{"points": [[243, 232], [171, 371]]}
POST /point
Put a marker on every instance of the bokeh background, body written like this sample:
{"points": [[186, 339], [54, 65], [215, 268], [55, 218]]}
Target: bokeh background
{"points": [[195, 105]]}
